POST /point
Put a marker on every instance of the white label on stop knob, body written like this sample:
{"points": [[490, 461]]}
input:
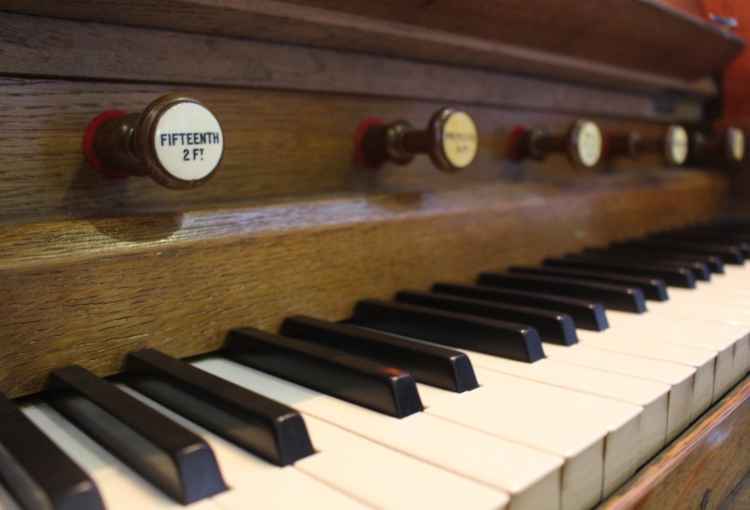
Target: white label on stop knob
{"points": [[736, 141], [677, 145], [189, 142], [587, 143], [460, 139]]}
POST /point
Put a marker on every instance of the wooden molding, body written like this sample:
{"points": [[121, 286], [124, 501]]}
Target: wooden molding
{"points": [[270, 20], [701, 468]]}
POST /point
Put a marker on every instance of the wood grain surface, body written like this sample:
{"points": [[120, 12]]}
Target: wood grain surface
{"points": [[606, 37], [93, 50], [279, 144], [89, 291], [648, 35], [702, 468]]}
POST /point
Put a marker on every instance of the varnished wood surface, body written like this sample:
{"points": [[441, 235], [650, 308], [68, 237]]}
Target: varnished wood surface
{"points": [[98, 51], [280, 144], [89, 291], [702, 468], [648, 35], [52, 45]]}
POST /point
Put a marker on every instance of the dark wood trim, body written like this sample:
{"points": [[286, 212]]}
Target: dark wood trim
{"points": [[648, 35], [271, 20], [73, 49], [701, 468]]}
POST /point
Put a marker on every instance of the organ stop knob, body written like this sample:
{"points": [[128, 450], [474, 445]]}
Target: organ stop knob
{"points": [[582, 143], [726, 147], [451, 140], [623, 144], [676, 145], [176, 141], [672, 145]]}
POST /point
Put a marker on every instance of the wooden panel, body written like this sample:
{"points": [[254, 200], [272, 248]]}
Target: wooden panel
{"points": [[638, 34], [701, 468], [37, 46], [280, 21], [89, 291], [277, 143]]}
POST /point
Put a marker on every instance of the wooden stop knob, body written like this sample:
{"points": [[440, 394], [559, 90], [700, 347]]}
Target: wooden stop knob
{"points": [[176, 141], [583, 143], [726, 147], [450, 139]]}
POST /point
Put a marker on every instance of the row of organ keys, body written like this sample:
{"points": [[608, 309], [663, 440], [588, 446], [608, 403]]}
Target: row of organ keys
{"points": [[179, 143], [540, 387]]}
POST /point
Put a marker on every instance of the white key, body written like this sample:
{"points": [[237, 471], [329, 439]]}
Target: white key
{"points": [[6, 500], [289, 488], [345, 462], [684, 327], [646, 343], [348, 462], [651, 396], [531, 477], [716, 302], [680, 378], [119, 486], [553, 419]]}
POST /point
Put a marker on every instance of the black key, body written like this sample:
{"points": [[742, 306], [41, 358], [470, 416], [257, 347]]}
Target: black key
{"points": [[742, 236], [645, 255], [263, 426], [429, 364], [352, 378], [36, 471], [616, 297], [728, 225], [699, 270], [727, 255], [586, 314], [703, 238], [652, 288], [554, 327], [671, 276], [171, 457], [509, 340]]}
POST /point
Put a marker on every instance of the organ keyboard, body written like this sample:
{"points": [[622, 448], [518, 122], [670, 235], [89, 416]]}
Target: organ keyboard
{"points": [[296, 311], [474, 395]]}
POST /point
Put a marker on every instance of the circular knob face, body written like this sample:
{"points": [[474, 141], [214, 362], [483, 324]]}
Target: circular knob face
{"points": [[458, 140], [676, 145], [586, 143], [735, 140], [188, 143]]}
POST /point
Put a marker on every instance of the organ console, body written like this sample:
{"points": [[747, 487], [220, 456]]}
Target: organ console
{"points": [[532, 334], [582, 143], [451, 141]]}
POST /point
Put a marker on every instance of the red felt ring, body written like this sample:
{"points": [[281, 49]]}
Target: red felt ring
{"points": [[514, 151], [88, 143], [359, 135]]}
